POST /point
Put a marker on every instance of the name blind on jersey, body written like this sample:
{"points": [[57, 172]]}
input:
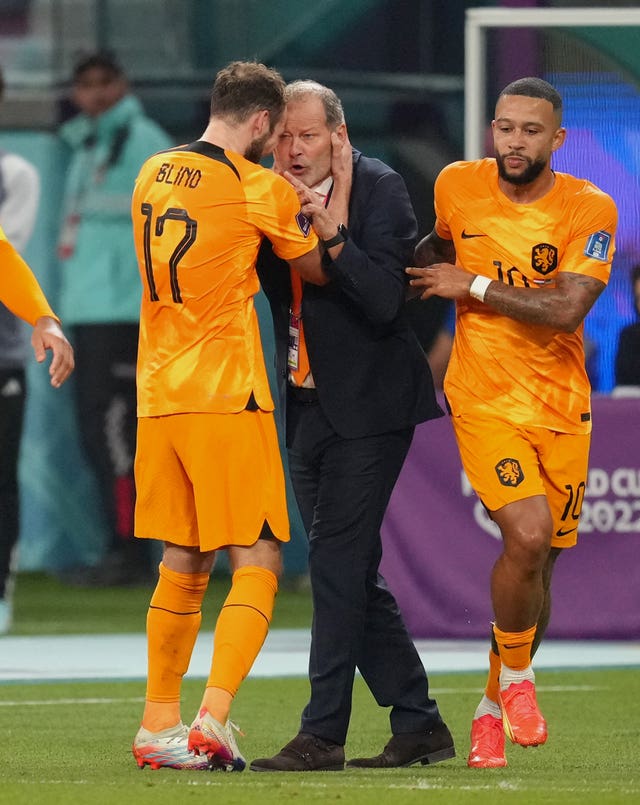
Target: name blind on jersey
{"points": [[178, 175]]}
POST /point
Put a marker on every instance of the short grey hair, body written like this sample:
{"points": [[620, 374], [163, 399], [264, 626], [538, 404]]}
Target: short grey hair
{"points": [[298, 90]]}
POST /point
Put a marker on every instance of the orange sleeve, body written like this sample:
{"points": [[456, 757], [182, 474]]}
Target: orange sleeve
{"points": [[19, 289]]}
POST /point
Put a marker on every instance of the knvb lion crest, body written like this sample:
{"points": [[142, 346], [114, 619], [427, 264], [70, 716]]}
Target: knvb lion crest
{"points": [[509, 472], [544, 258]]}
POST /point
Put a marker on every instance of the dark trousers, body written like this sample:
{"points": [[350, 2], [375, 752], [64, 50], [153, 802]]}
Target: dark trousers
{"points": [[12, 402], [343, 487], [105, 389]]}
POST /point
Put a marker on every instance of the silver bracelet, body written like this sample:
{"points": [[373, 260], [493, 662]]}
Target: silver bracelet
{"points": [[478, 287]]}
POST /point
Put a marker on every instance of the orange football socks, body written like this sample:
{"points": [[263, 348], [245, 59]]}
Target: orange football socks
{"points": [[492, 689], [240, 631], [173, 621], [515, 647]]}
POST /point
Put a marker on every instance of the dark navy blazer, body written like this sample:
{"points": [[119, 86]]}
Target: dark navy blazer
{"points": [[371, 374]]}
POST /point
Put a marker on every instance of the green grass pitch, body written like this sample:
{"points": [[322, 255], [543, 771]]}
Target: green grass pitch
{"points": [[69, 743]]}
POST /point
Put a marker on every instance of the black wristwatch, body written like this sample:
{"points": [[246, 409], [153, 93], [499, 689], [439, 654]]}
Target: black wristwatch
{"points": [[339, 237]]}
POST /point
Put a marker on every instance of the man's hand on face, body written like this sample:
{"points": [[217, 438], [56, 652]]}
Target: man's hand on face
{"points": [[312, 206], [341, 156]]}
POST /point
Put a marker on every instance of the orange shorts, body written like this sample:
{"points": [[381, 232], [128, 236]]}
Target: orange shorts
{"points": [[209, 480], [506, 462]]}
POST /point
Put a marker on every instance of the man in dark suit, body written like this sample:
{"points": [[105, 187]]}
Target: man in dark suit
{"points": [[354, 383]]}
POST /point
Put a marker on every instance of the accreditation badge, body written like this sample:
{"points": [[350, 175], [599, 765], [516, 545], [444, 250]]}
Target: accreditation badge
{"points": [[293, 354]]}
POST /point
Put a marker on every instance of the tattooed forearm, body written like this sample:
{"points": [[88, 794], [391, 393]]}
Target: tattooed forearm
{"points": [[434, 249], [563, 307]]}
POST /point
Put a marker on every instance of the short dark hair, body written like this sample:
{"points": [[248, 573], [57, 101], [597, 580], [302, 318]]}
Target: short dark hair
{"points": [[635, 274], [102, 60], [303, 88], [243, 88], [533, 87]]}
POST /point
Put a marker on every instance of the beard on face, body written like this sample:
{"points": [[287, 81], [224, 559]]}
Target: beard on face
{"points": [[531, 172], [255, 150]]}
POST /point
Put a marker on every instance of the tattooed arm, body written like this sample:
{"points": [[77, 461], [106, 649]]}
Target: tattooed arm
{"points": [[434, 249], [431, 249], [562, 307]]}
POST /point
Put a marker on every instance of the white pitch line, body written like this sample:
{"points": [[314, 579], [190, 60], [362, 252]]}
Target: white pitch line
{"points": [[285, 653], [138, 699]]}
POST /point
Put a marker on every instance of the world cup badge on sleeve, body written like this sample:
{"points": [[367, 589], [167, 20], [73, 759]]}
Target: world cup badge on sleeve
{"points": [[598, 246]]}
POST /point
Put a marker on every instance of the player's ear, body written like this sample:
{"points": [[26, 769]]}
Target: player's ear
{"points": [[558, 138], [341, 132], [261, 122]]}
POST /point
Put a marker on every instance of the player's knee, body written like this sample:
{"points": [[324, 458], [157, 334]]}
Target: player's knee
{"points": [[529, 549]]}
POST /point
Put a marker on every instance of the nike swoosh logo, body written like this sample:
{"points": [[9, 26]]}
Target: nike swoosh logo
{"points": [[466, 235], [563, 532]]}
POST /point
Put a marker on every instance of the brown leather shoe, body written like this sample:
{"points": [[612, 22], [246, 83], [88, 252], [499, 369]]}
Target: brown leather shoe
{"points": [[405, 749], [304, 753]]}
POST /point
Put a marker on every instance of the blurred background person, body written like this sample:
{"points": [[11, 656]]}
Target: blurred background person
{"points": [[109, 139], [627, 367]]}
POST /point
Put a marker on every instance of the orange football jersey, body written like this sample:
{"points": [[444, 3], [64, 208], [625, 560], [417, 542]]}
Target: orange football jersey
{"points": [[529, 374], [199, 215]]}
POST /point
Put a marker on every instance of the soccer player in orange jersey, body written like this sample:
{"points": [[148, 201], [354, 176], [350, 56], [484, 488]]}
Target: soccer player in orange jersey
{"points": [[208, 467], [525, 252]]}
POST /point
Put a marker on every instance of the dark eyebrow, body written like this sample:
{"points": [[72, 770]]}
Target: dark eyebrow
{"points": [[526, 123]]}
